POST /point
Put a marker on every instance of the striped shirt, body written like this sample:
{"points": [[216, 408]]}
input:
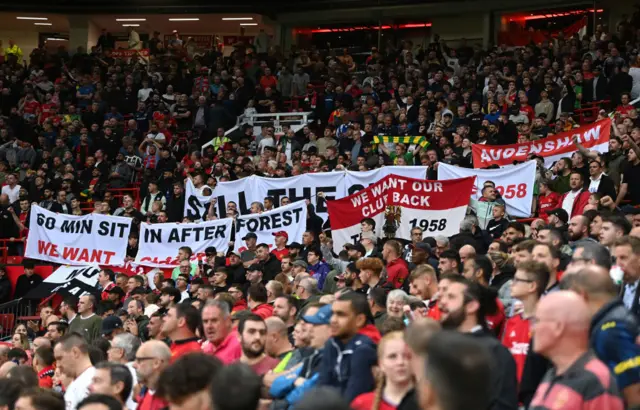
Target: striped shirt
{"points": [[586, 385]]}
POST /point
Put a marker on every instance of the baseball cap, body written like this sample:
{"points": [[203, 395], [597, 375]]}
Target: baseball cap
{"points": [[370, 236], [357, 247], [560, 213], [322, 316], [281, 233], [300, 263], [249, 236], [294, 245], [253, 267], [211, 250], [421, 245], [109, 324]]}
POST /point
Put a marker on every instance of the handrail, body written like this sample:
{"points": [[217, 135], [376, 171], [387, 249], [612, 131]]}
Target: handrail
{"points": [[4, 246]]}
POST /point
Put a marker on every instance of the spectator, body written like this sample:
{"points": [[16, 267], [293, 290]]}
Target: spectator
{"points": [[352, 328], [87, 323], [221, 340], [151, 359], [112, 380], [72, 358], [180, 326], [253, 335], [568, 348]]}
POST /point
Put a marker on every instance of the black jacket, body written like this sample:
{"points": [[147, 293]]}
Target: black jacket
{"points": [[270, 268], [26, 284], [602, 88], [504, 383], [175, 208], [607, 187]]}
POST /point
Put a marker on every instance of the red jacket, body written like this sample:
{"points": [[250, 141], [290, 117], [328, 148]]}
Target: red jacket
{"points": [[580, 201], [397, 272], [264, 311]]}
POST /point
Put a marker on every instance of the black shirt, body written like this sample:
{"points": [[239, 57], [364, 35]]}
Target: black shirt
{"points": [[631, 174]]}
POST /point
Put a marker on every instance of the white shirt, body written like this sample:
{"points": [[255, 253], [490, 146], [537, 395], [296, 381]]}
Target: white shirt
{"points": [[184, 295], [567, 203], [12, 193], [78, 390], [134, 40], [131, 404], [266, 142], [595, 183], [143, 93], [629, 294]]}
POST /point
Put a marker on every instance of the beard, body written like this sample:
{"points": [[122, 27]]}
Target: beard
{"points": [[251, 352], [454, 319]]}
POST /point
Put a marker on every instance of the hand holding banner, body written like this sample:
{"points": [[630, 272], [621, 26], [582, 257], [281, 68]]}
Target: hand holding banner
{"points": [[514, 183]]}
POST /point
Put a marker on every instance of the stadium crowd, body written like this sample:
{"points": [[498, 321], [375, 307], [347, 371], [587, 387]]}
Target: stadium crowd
{"points": [[541, 315]]}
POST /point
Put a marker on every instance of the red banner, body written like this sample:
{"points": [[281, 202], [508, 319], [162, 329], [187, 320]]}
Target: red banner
{"points": [[437, 207], [593, 136], [129, 53]]}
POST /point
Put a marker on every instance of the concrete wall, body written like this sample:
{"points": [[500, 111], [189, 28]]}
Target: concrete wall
{"points": [[25, 39]]}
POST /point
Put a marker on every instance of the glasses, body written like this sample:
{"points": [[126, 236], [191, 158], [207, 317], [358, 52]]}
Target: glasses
{"points": [[142, 359], [516, 279]]}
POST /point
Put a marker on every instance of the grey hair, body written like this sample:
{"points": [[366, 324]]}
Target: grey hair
{"points": [[223, 306], [596, 252], [468, 223], [309, 284], [128, 343], [397, 294], [442, 239]]}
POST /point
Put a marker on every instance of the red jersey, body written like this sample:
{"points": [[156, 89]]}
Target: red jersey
{"points": [[547, 203], [280, 253], [397, 272], [183, 347], [624, 109], [268, 82], [516, 338], [31, 107], [496, 320], [46, 112], [365, 402]]}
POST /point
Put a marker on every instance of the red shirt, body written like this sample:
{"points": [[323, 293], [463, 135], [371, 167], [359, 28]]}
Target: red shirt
{"points": [[31, 107], [280, 253], [182, 347], [45, 377], [268, 81], [621, 109], [148, 401], [365, 402], [105, 292], [264, 311], [516, 338], [547, 203], [496, 320], [434, 311], [397, 272]]}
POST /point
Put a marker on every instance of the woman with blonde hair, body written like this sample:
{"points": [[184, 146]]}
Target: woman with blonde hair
{"points": [[394, 376]]}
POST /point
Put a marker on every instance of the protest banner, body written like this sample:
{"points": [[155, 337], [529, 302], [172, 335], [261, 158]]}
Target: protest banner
{"points": [[290, 218], [77, 240], [69, 281], [159, 243], [592, 136], [437, 207], [334, 185], [129, 53], [515, 183]]}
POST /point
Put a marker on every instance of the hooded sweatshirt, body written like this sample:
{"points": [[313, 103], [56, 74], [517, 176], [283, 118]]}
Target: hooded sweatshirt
{"points": [[347, 367]]}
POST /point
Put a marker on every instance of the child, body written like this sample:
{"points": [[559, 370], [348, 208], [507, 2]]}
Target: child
{"points": [[594, 201]]}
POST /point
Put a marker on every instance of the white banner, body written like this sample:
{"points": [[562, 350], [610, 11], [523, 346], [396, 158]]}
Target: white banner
{"points": [[77, 240], [159, 243], [335, 185], [290, 218], [515, 183]]}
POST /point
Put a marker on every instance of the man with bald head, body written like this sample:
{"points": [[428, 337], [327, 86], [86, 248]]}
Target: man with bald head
{"points": [[578, 228], [278, 344], [151, 359], [466, 252], [578, 379], [40, 342], [614, 329]]}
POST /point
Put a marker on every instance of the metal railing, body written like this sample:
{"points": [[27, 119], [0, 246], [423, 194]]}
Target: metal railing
{"points": [[296, 120], [14, 313]]}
